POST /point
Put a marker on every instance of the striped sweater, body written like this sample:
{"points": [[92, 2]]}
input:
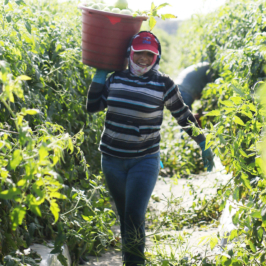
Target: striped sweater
{"points": [[135, 112]]}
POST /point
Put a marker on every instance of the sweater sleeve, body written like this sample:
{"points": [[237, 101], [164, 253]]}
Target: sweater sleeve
{"points": [[179, 110], [97, 96]]}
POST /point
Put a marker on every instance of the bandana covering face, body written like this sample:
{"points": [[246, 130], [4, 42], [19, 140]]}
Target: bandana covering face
{"points": [[137, 70]]}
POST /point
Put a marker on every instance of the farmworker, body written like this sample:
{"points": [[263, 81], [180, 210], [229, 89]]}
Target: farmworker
{"points": [[135, 99], [192, 80]]}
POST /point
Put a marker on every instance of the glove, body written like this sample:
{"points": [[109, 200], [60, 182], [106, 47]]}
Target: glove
{"points": [[207, 157], [100, 76]]}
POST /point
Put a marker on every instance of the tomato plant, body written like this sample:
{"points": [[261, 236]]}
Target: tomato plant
{"points": [[51, 184], [231, 39]]}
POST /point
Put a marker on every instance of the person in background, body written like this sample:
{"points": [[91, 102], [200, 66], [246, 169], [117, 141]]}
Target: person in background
{"points": [[135, 99], [192, 80]]}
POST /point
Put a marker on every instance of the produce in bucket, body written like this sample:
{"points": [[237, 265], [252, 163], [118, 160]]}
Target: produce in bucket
{"points": [[120, 7]]}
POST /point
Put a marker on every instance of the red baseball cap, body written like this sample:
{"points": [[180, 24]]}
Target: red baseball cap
{"points": [[145, 41]]}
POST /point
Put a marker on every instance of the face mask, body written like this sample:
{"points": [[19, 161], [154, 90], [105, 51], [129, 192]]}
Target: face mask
{"points": [[137, 70]]}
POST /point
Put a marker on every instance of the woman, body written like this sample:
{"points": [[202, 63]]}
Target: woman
{"points": [[135, 99]]}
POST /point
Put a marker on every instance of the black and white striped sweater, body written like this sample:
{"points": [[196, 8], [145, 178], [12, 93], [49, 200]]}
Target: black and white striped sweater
{"points": [[135, 112]]}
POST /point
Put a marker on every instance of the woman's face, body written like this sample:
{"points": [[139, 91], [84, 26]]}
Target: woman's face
{"points": [[143, 59]]}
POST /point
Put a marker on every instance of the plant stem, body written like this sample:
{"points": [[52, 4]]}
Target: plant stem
{"points": [[10, 111]]}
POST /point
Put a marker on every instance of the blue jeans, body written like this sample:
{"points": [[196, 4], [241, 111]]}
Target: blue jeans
{"points": [[131, 182]]}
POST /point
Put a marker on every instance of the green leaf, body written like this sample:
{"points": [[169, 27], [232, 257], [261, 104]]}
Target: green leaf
{"points": [[35, 209], [152, 23], [227, 103], [154, 13], [252, 107], [247, 113], [4, 173], [256, 214], [263, 216], [236, 100], [21, 182], [16, 159], [233, 234], [70, 145], [242, 153], [235, 218], [263, 257], [213, 242], [74, 196], [57, 195], [260, 233], [32, 111], [239, 90], [17, 216], [236, 194], [238, 120], [208, 143], [8, 18], [87, 218], [245, 180], [62, 259], [54, 208], [23, 77], [55, 159], [162, 5], [252, 246], [43, 153], [167, 16], [28, 27], [58, 47], [213, 113], [10, 193], [222, 205], [259, 162], [20, 2]]}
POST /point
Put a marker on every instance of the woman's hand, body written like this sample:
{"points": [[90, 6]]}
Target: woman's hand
{"points": [[100, 76], [207, 157]]}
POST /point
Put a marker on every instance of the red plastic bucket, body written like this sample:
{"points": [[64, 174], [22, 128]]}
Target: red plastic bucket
{"points": [[105, 37]]}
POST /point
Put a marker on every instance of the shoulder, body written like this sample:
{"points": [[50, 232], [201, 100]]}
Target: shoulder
{"points": [[122, 73], [115, 75], [162, 76], [166, 80], [118, 75]]}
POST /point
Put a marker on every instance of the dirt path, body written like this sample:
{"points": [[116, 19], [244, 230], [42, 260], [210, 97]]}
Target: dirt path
{"points": [[180, 242]]}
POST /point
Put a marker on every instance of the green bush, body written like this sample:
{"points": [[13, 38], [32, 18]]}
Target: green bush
{"points": [[51, 184], [231, 39]]}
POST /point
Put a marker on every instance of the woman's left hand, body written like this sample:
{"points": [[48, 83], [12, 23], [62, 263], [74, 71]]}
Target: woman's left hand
{"points": [[207, 157]]}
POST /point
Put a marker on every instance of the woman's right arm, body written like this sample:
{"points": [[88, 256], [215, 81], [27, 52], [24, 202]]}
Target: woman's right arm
{"points": [[97, 93]]}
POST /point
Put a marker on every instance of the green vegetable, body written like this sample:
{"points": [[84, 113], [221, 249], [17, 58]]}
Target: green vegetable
{"points": [[96, 6], [126, 12], [121, 4], [116, 10], [106, 9], [102, 6]]}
